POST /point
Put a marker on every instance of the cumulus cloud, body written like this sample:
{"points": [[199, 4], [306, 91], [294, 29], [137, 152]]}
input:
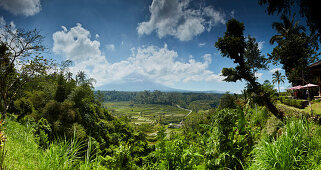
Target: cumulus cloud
{"points": [[75, 44], [110, 47], [274, 70], [21, 7], [159, 64], [175, 18], [260, 45]]}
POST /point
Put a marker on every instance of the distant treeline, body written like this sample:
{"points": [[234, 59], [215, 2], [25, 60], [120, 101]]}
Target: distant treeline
{"points": [[186, 100]]}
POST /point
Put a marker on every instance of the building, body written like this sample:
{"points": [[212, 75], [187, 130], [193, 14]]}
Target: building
{"points": [[315, 73]]}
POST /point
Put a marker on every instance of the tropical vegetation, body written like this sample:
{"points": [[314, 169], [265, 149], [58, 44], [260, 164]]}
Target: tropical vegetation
{"points": [[52, 119]]}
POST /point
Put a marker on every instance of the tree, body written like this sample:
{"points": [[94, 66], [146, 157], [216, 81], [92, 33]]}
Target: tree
{"points": [[309, 9], [285, 28], [80, 77], [295, 50], [248, 60], [19, 62], [60, 95], [228, 101], [99, 96], [278, 78], [69, 76]]}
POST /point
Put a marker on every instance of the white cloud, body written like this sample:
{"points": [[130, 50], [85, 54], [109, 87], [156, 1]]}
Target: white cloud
{"points": [[161, 65], [24, 7], [175, 18], [6, 37], [260, 45], [97, 36], [258, 75], [282, 88], [3, 23], [274, 70], [75, 44], [201, 44], [110, 47]]}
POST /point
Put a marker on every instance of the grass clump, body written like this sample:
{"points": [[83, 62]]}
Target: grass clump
{"points": [[61, 154], [23, 151], [295, 148], [21, 147]]}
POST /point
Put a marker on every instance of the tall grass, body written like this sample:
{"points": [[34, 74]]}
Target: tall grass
{"points": [[291, 150], [23, 151], [61, 154]]}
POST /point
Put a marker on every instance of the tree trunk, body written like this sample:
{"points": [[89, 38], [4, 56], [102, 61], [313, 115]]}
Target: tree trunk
{"points": [[266, 99], [271, 107], [5, 109]]}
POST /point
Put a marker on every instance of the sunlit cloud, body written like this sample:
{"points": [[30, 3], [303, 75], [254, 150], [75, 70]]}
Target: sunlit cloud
{"points": [[160, 64], [175, 18]]}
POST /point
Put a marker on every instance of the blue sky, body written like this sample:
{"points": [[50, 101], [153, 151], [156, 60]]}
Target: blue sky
{"points": [[170, 42]]}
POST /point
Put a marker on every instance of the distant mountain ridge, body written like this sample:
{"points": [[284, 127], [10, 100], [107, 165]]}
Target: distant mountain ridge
{"points": [[137, 82]]}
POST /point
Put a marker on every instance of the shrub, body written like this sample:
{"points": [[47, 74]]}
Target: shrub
{"points": [[77, 131], [228, 101], [51, 110], [43, 131], [301, 104], [38, 99], [23, 107], [289, 151]]}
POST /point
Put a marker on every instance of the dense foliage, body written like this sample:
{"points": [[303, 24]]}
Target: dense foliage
{"points": [[194, 101], [56, 121], [308, 9], [301, 104], [295, 50]]}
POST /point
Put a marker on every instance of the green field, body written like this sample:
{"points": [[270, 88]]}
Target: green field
{"points": [[146, 113], [149, 117]]}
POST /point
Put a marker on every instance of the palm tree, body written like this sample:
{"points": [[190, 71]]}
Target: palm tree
{"points": [[69, 76], [278, 78], [80, 77], [285, 28]]}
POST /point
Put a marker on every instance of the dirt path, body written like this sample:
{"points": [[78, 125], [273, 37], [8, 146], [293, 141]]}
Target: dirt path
{"points": [[190, 111]]}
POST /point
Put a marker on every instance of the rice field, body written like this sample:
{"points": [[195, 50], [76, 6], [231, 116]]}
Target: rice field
{"points": [[149, 117], [146, 113]]}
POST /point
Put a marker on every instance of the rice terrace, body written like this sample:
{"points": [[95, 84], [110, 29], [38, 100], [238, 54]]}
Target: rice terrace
{"points": [[160, 84]]}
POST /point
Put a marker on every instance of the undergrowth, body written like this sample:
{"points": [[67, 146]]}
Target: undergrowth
{"points": [[296, 147], [23, 151]]}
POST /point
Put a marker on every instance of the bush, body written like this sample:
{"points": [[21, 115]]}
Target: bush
{"points": [[228, 101], [294, 149], [301, 104], [43, 131], [23, 107], [76, 131]]}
